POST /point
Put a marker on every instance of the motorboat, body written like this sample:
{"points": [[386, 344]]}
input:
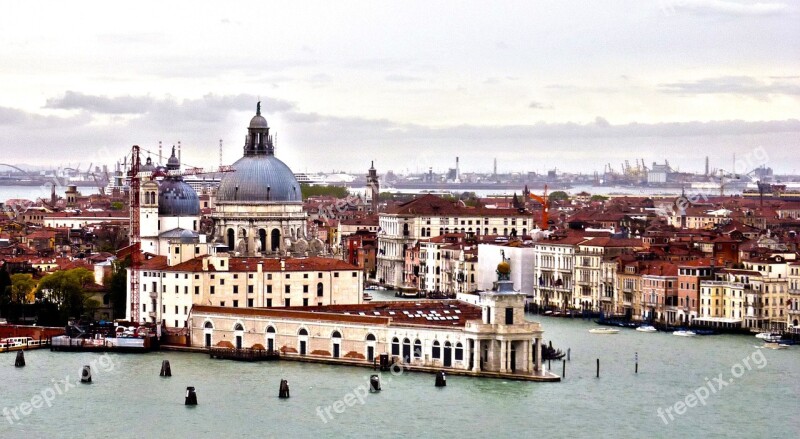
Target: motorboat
{"points": [[646, 328], [684, 333], [366, 297], [604, 331]]}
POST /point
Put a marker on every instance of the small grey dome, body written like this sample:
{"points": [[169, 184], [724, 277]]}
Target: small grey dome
{"points": [[259, 178], [258, 122], [177, 198], [147, 166]]}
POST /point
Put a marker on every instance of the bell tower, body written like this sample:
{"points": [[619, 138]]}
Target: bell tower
{"points": [[373, 186]]}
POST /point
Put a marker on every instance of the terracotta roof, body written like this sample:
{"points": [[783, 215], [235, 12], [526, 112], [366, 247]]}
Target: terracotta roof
{"points": [[434, 205]]}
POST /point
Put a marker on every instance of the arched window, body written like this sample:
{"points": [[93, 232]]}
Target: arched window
{"points": [[494, 230], [275, 240], [320, 289], [436, 350], [486, 231], [336, 334], [270, 330], [302, 331], [459, 352], [231, 239], [417, 349], [262, 240], [208, 325], [395, 346], [370, 337], [238, 327]]}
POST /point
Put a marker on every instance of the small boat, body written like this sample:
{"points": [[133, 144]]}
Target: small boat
{"points": [[604, 331], [366, 297], [684, 333], [646, 328], [773, 345], [768, 335]]}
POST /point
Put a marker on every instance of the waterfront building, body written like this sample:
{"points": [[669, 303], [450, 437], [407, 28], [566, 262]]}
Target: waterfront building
{"points": [[659, 292], [793, 305], [171, 287], [587, 272], [447, 264], [259, 206], [554, 271], [493, 338], [730, 300], [771, 300], [690, 274], [429, 216]]}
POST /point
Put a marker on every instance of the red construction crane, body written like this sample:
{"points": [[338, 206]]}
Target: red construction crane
{"points": [[545, 202]]}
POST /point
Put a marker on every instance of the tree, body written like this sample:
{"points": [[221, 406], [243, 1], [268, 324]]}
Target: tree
{"points": [[66, 289], [598, 198], [332, 191], [117, 285], [23, 288], [558, 196], [5, 289]]}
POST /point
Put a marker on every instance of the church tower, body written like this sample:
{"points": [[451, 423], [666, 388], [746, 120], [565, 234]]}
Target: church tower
{"points": [[373, 188]]}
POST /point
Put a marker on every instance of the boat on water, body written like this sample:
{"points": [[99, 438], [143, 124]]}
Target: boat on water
{"points": [[20, 344], [366, 297], [774, 345], [646, 328], [604, 331], [773, 337], [684, 333]]}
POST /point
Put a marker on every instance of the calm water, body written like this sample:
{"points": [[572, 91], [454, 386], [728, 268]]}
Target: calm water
{"points": [[129, 399]]}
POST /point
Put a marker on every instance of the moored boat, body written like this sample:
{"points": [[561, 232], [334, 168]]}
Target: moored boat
{"points": [[646, 328], [684, 333], [366, 297], [604, 331]]}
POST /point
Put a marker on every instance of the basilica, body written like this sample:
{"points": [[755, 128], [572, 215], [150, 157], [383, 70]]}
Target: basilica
{"points": [[259, 206]]}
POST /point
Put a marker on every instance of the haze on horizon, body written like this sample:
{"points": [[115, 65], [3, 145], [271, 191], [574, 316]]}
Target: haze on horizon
{"points": [[538, 85]]}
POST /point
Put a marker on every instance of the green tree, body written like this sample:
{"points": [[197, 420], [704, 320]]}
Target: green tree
{"points": [[558, 196], [598, 198], [332, 191], [22, 288], [117, 285], [66, 290], [5, 290]]}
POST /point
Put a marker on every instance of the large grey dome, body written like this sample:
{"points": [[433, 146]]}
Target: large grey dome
{"points": [[177, 198], [259, 178]]}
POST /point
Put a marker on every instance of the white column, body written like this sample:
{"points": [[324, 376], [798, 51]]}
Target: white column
{"points": [[529, 358], [503, 361], [538, 354], [476, 358]]}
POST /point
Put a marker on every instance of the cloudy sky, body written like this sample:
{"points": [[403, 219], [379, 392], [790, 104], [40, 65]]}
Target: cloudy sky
{"points": [[571, 85]]}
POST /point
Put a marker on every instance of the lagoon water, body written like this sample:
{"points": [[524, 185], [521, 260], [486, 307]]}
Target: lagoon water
{"points": [[129, 399]]}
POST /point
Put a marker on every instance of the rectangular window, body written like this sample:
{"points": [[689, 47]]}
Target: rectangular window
{"points": [[249, 289], [236, 276], [287, 302], [305, 288], [222, 281], [197, 290], [269, 289], [212, 290], [250, 303], [186, 289], [236, 289], [305, 302], [288, 276], [250, 276], [336, 274], [305, 275], [269, 276], [287, 289], [269, 303], [176, 289], [186, 310], [176, 309], [319, 275], [355, 274], [509, 316], [222, 303], [164, 309], [235, 303]]}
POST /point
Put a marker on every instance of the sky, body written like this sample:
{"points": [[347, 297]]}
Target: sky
{"points": [[536, 85]]}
